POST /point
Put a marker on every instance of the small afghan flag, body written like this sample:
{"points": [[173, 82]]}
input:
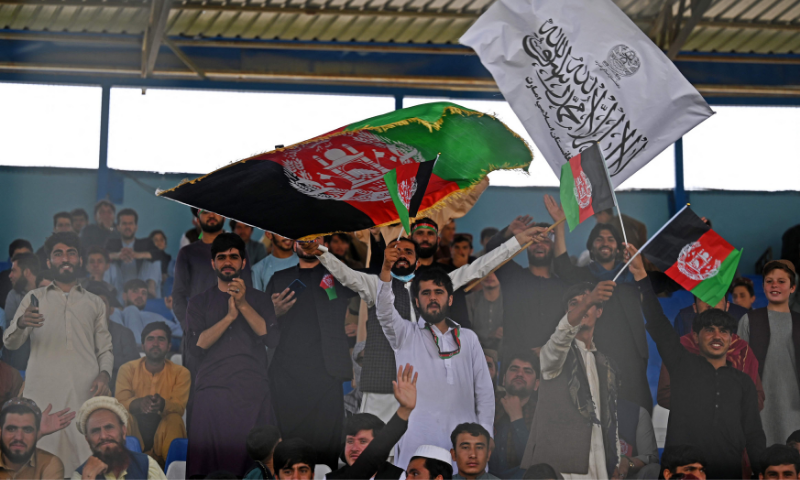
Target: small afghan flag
{"points": [[407, 184], [585, 186], [695, 256], [329, 287]]}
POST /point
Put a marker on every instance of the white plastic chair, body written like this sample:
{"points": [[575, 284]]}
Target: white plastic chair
{"points": [[176, 471]]}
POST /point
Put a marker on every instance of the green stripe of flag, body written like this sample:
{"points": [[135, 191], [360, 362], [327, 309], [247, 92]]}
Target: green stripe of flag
{"points": [[713, 289], [394, 191], [568, 201]]}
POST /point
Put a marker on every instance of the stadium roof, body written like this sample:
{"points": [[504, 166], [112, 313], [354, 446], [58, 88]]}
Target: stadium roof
{"points": [[728, 48]]}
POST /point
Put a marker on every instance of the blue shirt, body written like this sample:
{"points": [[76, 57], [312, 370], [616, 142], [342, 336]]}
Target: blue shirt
{"points": [[265, 269]]}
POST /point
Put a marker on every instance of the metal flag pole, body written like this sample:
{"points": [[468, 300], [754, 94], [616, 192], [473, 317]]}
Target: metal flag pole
{"points": [[613, 194], [648, 242]]}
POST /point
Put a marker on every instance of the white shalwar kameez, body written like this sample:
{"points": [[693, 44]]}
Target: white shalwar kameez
{"points": [[450, 391]]}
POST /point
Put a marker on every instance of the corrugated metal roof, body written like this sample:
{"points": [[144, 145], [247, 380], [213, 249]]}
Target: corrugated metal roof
{"points": [[737, 26]]}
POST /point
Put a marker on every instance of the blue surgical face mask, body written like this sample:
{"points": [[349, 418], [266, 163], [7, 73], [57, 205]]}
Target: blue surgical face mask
{"points": [[404, 278]]}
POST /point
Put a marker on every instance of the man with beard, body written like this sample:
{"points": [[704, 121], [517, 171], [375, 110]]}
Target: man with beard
{"points": [[194, 275], [135, 257], [71, 358], [281, 258], [485, 308], [135, 317], [104, 423], [20, 421], [713, 406], [155, 392], [312, 358], [531, 296], [454, 382], [24, 269], [415, 256], [514, 413], [574, 428], [621, 334], [228, 327], [6, 285]]}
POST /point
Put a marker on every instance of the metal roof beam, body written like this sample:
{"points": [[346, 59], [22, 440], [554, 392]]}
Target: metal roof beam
{"points": [[154, 34], [699, 7], [184, 58]]}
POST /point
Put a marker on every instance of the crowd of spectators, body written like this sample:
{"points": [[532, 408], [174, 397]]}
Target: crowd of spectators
{"points": [[356, 356]]}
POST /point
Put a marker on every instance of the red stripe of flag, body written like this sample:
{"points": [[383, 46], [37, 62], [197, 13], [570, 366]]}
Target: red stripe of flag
{"points": [[712, 243], [577, 170]]}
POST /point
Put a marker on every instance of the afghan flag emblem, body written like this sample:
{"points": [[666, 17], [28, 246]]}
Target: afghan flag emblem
{"points": [[335, 182], [585, 186], [695, 256], [407, 185], [328, 285]]}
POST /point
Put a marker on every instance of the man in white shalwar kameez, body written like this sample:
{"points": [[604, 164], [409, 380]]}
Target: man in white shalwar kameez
{"points": [[454, 382], [71, 359], [575, 428]]}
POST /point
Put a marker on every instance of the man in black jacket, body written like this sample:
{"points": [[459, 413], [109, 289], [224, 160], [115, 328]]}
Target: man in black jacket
{"points": [[312, 357], [713, 406], [135, 257], [369, 441]]}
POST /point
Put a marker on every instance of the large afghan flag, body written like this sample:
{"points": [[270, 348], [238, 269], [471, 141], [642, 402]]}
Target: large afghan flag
{"points": [[585, 186], [335, 182], [695, 256]]}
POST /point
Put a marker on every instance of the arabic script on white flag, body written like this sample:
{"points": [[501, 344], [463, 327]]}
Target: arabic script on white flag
{"points": [[577, 72]]}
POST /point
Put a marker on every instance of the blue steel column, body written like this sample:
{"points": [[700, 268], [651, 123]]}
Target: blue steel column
{"points": [[102, 169], [398, 102], [680, 192]]}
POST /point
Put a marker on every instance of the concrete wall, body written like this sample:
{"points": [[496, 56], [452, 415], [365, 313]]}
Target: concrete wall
{"points": [[30, 196]]}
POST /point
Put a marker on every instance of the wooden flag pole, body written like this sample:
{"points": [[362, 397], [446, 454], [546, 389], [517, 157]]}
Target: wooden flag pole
{"points": [[613, 194], [475, 282]]}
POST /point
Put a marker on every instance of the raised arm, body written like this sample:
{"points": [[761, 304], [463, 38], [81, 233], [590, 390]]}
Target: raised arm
{"points": [[371, 459], [364, 284], [487, 263], [554, 353], [393, 325], [667, 339]]}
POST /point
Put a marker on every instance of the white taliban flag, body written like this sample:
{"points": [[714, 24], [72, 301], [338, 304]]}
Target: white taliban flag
{"points": [[580, 71]]}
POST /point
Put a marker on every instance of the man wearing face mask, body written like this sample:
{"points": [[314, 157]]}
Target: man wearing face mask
{"points": [[229, 326], [311, 360], [454, 382], [415, 255], [71, 351]]}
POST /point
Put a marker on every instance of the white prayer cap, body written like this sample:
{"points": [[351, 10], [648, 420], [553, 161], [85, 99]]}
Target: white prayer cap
{"points": [[100, 403], [434, 453]]}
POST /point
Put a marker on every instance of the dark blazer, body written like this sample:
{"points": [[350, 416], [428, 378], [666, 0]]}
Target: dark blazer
{"points": [[373, 458], [114, 245], [330, 315]]}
